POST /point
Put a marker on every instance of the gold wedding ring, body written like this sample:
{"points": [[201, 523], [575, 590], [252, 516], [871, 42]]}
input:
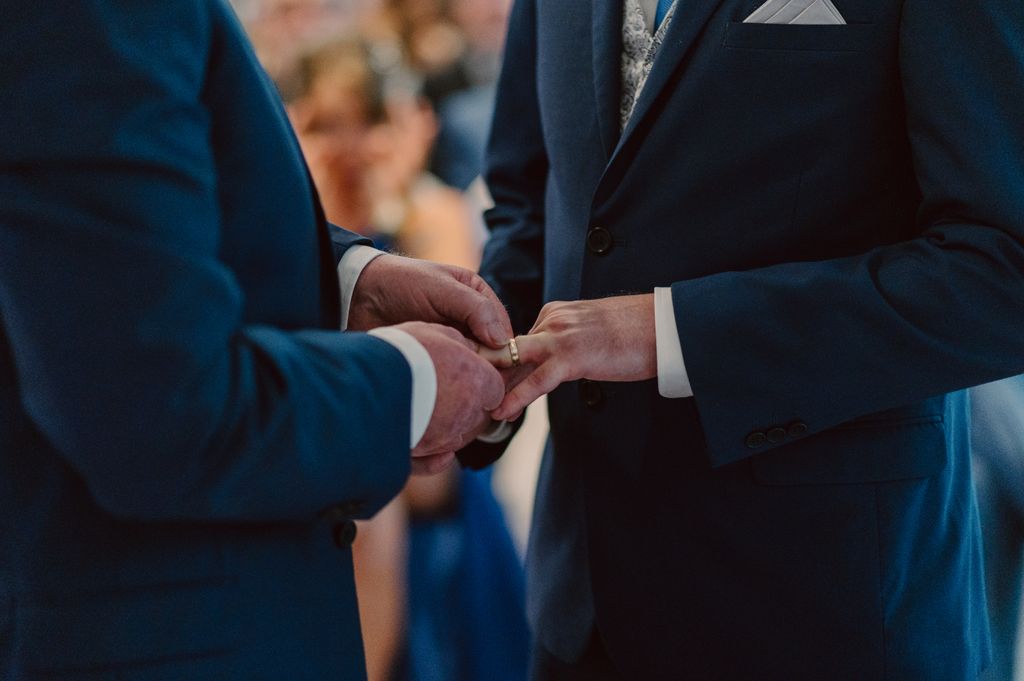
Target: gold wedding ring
{"points": [[513, 351]]}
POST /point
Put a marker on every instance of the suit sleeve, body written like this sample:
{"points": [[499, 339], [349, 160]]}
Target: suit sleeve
{"points": [[517, 170], [824, 342], [342, 240], [126, 330]]}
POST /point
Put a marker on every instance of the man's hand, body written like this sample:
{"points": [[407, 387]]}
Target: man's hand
{"points": [[468, 389], [612, 339], [393, 290]]}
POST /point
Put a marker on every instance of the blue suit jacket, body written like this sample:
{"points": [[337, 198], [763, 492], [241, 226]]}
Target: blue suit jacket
{"points": [[839, 211], [183, 432]]}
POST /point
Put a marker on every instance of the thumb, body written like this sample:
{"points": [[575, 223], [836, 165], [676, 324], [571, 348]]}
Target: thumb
{"points": [[484, 316], [492, 392]]}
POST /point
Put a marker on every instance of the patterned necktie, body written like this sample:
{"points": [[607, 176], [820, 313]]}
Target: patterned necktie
{"points": [[659, 16]]}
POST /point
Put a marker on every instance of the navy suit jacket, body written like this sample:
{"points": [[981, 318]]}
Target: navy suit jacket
{"points": [[184, 434], [839, 211]]}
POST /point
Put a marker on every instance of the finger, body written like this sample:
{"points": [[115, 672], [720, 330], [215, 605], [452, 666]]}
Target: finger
{"points": [[515, 417], [492, 392], [477, 283], [514, 377], [478, 310], [462, 307], [546, 378], [453, 334], [545, 312], [450, 333], [499, 358], [535, 349]]}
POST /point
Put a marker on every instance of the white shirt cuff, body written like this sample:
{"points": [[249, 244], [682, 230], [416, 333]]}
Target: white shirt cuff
{"points": [[501, 432], [673, 381], [424, 378], [351, 266]]}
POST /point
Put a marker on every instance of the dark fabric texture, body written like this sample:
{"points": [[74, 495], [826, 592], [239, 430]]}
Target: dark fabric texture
{"points": [[593, 665]]}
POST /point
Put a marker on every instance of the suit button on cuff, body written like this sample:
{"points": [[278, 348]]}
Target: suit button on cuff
{"points": [[798, 429], [776, 435], [599, 240], [756, 440], [344, 534]]}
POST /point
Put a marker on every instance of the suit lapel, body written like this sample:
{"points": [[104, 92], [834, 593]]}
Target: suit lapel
{"points": [[607, 55], [690, 18]]}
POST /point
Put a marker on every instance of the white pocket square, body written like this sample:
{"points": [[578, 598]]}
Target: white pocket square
{"points": [[804, 12]]}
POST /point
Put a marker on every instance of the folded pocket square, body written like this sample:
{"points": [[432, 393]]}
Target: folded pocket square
{"points": [[801, 12]]}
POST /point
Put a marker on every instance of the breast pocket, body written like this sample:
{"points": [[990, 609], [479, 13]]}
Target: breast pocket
{"points": [[799, 38]]}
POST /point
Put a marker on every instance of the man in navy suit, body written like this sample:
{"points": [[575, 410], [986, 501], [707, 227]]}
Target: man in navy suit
{"points": [[185, 433], [776, 240]]}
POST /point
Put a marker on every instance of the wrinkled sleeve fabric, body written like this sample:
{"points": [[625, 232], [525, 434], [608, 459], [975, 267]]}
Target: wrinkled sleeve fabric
{"points": [[132, 357], [824, 342]]}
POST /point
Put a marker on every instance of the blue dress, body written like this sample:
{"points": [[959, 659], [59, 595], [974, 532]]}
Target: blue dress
{"points": [[466, 594]]}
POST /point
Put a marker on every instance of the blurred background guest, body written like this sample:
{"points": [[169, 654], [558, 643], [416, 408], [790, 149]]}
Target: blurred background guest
{"points": [[997, 415], [466, 113], [368, 142], [281, 29]]}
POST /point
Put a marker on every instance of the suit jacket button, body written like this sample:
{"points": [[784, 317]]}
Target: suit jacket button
{"points": [[344, 534], [599, 240], [756, 440], [776, 435], [798, 429], [591, 393]]}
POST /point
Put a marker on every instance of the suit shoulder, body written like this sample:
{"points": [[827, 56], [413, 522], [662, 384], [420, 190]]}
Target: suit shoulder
{"points": [[111, 28]]}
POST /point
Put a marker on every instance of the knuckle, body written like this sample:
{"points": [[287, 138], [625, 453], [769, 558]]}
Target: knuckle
{"points": [[449, 333], [557, 323]]}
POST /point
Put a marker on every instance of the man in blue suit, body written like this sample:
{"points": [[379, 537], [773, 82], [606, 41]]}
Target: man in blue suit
{"points": [[784, 237], [185, 433]]}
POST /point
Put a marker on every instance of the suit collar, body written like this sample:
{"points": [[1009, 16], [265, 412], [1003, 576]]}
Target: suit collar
{"points": [[690, 18]]}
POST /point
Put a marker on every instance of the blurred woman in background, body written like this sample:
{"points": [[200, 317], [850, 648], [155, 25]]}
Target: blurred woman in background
{"points": [[368, 142]]}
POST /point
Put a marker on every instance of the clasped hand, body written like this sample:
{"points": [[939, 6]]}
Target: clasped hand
{"points": [[442, 307], [611, 339], [465, 329]]}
